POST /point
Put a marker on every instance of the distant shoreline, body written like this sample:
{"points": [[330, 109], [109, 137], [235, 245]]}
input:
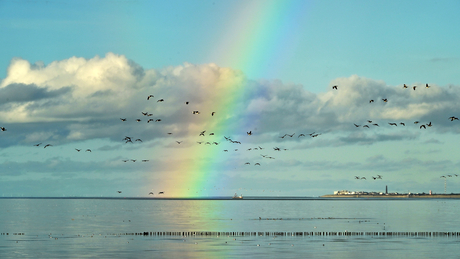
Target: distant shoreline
{"points": [[393, 196], [287, 198]]}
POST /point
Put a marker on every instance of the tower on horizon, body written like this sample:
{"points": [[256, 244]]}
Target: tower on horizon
{"points": [[386, 189]]}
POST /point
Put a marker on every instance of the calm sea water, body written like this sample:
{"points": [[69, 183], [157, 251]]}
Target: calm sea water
{"points": [[90, 228]]}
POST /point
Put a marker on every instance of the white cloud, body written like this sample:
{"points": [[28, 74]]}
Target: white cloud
{"points": [[85, 99]]}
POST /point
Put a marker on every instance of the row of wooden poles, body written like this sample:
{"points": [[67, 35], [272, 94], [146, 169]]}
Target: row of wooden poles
{"points": [[235, 234], [345, 233]]}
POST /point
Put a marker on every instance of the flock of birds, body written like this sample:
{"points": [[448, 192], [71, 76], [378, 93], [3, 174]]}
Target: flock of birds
{"points": [[203, 133], [372, 123]]}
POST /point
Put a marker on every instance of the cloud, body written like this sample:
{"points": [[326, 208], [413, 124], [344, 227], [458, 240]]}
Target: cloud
{"points": [[80, 99]]}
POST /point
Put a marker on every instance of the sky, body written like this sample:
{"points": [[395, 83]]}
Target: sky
{"points": [[243, 97]]}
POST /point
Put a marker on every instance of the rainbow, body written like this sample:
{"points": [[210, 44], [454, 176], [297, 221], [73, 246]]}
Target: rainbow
{"points": [[259, 39]]}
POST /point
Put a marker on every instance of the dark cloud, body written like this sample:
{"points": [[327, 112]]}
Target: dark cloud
{"points": [[20, 93]]}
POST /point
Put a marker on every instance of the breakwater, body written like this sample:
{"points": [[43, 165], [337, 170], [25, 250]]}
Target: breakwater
{"points": [[298, 234]]}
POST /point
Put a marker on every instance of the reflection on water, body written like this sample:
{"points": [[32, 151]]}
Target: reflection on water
{"points": [[89, 228]]}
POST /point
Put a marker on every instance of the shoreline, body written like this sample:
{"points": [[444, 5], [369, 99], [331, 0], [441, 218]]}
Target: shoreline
{"points": [[398, 196]]}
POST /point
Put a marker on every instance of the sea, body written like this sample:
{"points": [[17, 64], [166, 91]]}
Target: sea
{"points": [[226, 228]]}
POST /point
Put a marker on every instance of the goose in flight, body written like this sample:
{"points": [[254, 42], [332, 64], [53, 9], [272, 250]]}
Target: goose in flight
{"points": [[161, 100], [150, 193], [119, 191], [402, 123], [392, 123], [78, 150], [212, 113], [150, 96], [334, 87], [186, 103], [301, 135], [413, 87], [247, 163], [356, 125], [365, 126], [123, 119], [357, 177], [375, 124], [249, 133], [423, 126], [161, 193], [385, 100], [256, 164], [405, 86], [453, 118], [371, 101], [145, 160], [195, 112], [416, 122], [47, 145], [140, 140], [37, 144], [3, 128], [178, 142], [427, 86], [429, 124], [88, 150]]}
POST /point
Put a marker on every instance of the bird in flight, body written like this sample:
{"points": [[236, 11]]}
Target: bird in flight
{"points": [[78, 150], [88, 150], [150, 96], [453, 118], [123, 119], [119, 191], [385, 99], [423, 126], [3, 128], [37, 144], [249, 133], [161, 100], [334, 87], [47, 145]]}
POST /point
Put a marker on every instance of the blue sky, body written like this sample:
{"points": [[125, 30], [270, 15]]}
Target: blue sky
{"points": [[95, 59]]}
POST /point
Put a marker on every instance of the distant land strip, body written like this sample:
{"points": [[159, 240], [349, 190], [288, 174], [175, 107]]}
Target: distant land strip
{"points": [[398, 196]]}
